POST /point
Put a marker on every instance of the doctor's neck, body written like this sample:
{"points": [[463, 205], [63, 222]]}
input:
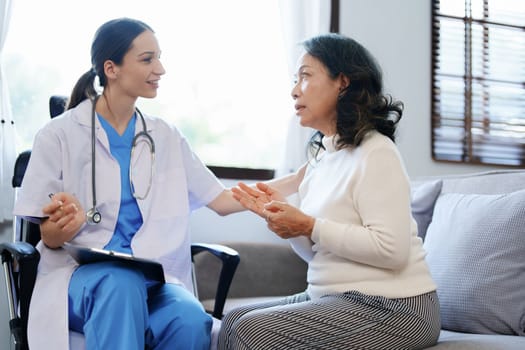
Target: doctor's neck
{"points": [[115, 110]]}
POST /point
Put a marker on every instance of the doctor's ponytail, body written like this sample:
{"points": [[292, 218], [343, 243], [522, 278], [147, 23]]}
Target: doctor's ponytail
{"points": [[84, 88]]}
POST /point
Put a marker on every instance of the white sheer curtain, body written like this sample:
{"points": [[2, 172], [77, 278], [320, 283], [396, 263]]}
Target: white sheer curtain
{"points": [[301, 19], [7, 132]]}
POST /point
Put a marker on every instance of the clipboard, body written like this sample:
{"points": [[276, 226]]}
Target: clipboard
{"points": [[151, 269]]}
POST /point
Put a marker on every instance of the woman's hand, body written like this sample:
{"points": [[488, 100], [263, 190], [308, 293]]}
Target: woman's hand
{"points": [[284, 219], [287, 221], [65, 217], [255, 199]]}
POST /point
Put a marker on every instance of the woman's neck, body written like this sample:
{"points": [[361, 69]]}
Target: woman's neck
{"points": [[116, 113]]}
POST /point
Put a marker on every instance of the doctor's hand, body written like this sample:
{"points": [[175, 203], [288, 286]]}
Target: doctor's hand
{"points": [[287, 221], [255, 198], [65, 217]]}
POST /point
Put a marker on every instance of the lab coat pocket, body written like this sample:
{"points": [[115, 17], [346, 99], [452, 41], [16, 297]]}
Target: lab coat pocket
{"points": [[170, 195]]}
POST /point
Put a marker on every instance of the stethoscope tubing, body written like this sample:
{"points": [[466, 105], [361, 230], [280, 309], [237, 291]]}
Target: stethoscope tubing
{"points": [[93, 216]]}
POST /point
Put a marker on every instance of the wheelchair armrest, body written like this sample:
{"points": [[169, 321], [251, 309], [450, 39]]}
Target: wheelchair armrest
{"points": [[19, 251], [230, 259], [19, 285]]}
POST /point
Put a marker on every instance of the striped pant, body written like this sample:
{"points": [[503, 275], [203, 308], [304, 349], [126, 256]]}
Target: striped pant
{"points": [[350, 320]]}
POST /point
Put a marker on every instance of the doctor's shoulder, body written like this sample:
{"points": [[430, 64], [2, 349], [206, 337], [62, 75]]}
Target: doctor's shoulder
{"points": [[62, 130], [163, 128]]}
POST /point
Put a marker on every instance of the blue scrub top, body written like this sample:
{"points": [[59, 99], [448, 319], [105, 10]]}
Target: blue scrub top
{"points": [[129, 217]]}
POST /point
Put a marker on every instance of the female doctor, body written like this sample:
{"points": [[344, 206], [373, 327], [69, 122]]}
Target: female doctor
{"points": [[121, 181]]}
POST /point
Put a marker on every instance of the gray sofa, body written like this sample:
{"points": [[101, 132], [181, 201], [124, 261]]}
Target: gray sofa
{"points": [[473, 228]]}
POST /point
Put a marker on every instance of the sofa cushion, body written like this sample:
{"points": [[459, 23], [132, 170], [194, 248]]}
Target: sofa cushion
{"points": [[424, 195], [449, 340], [476, 254]]}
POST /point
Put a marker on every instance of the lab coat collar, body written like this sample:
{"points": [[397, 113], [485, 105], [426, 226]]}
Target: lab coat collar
{"points": [[82, 114]]}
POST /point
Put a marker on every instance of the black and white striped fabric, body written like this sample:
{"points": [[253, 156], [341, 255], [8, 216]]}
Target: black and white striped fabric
{"points": [[349, 320]]}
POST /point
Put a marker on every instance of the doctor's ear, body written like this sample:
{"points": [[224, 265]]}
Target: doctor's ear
{"points": [[111, 69]]}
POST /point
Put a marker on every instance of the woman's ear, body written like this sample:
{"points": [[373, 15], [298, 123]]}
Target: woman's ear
{"points": [[110, 69], [344, 82]]}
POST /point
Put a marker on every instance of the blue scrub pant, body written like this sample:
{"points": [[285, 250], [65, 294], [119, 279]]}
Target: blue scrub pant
{"points": [[116, 308]]}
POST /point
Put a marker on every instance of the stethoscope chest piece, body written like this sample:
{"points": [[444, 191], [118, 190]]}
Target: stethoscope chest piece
{"points": [[93, 216]]}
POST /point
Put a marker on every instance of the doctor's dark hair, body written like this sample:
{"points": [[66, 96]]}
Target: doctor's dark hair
{"points": [[111, 42], [362, 106]]}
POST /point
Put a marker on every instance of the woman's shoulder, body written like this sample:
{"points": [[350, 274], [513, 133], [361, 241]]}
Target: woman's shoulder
{"points": [[65, 121], [377, 146], [162, 127], [156, 122], [80, 114], [374, 140]]}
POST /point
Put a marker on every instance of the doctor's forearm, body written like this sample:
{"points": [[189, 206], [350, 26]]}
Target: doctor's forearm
{"points": [[225, 204]]}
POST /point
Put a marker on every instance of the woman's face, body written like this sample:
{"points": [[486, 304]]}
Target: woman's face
{"points": [[140, 72], [315, 94]]}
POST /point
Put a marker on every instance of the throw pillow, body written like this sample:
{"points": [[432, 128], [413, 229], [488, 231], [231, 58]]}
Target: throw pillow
{"points": [[475, 251], [424, 196]]}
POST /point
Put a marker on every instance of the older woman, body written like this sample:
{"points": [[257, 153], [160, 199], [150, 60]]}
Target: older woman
{"points": [[368, 283]]}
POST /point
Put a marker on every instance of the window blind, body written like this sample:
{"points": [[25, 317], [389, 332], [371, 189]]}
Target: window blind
{"points": [[478, 81]]}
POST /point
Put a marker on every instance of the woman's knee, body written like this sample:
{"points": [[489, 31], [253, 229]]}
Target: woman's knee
{"points": [[245, 327]]}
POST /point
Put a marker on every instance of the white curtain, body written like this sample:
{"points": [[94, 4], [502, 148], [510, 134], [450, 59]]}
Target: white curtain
{"points": [[7, 132], [300, 20]]}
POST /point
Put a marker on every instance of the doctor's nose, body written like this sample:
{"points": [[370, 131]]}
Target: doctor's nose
{"points": [[159, 69]]}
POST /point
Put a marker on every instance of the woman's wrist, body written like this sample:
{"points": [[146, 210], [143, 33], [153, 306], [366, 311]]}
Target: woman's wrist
{"points": [[309, 226]]}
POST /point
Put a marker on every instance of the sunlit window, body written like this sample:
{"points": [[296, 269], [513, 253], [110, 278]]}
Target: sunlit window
{"points": [[478, 93], [226, 88]]}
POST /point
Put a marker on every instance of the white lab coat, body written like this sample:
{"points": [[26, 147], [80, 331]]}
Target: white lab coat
{"points": [[61, 161]]}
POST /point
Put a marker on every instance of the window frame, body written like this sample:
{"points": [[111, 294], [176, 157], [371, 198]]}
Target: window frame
{"points": [[235, 173], [478, 143]]}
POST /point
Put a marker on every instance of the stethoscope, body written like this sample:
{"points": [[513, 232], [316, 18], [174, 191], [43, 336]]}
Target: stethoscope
{"points": [[93, 216]]}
